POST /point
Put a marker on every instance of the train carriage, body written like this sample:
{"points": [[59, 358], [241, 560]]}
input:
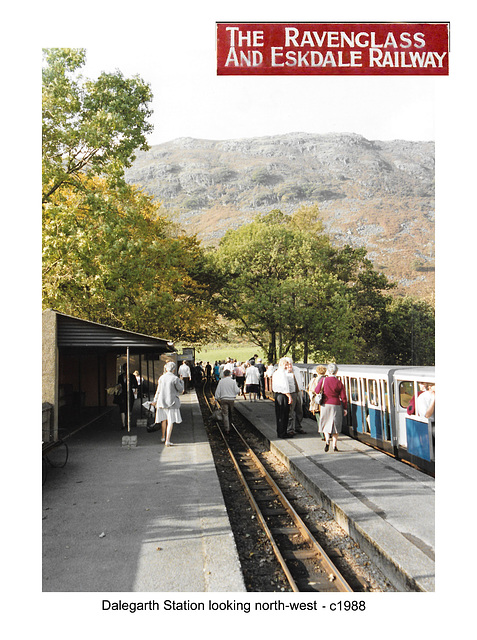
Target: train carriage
{"points": [[378, 398], [414, 433]]}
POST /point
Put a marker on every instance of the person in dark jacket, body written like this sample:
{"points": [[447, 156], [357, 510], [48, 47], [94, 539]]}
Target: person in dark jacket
{"points": [[261, 370], [123, 397]]}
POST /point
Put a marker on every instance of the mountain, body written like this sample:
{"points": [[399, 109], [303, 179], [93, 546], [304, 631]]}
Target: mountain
{"points": [[372, 194]]}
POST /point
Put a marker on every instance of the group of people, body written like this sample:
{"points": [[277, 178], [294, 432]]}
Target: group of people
{"points": [[424, 404], [327, 395], [249, 376], [234, 378], [328, 401], [166, 399]]}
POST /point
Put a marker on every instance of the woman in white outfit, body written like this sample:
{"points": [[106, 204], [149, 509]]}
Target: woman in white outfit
{"points": [[167, 401], [252, 382]]}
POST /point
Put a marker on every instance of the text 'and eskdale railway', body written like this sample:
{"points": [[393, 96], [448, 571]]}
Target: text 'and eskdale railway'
{"points": [[271, 48], [376, 58]]}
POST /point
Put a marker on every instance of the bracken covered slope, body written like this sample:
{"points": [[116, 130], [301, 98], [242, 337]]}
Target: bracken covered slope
{"points": [[372, 194]]}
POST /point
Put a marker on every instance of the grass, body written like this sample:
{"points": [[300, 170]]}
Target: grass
{"points": [[213, 352]]}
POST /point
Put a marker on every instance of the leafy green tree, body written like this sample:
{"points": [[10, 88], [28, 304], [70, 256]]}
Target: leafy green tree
{"points": [[367, 302], [89, 126], [409, 332], [277, 286]]}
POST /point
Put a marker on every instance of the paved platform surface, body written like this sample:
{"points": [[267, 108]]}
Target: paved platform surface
{"points": [[139, 519], [387, 506], [152, 519]]}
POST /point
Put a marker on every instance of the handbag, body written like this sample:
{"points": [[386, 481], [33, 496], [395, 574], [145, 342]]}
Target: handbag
{"points": [[117, 394], [149, 406], [320, 398], [217, 415]]}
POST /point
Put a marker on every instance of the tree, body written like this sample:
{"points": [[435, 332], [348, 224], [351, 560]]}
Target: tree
{"points": [[89, 126], [277, 286], [108, 253], [110, 257], [367, 302], [409, 332]]}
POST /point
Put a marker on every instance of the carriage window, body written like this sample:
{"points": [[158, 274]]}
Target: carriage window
{"points": [[385, 395], [373, 392], [354, 389], [406, 391]]}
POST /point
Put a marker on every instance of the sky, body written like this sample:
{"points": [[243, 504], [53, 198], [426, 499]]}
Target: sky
{"points": [[190, 100], [172, 47]]}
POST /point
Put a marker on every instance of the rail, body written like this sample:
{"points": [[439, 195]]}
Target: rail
{"points": [[305, 563]]}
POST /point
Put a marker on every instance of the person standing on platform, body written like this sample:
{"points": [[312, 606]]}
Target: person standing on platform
{"points": [[239, 373], [225, 394], [335, 406], [315, 408], [138, 391], [229, 366], [123, 397], [185, 375], [283, 398], [296, 385], [252, 382], [271, 368], [261, 370], [167, 401]]}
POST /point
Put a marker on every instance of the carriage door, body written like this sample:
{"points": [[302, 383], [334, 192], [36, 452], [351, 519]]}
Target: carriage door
{"points": [[386, 413], [404, 392], [356, 405], [375, 410]]}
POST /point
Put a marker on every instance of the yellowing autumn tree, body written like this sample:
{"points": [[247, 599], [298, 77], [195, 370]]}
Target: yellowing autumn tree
{"points": [[108, 254]]}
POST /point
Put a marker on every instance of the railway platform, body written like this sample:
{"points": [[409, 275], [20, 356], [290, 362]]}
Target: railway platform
{"points": [[143, 518], [386, 506]]}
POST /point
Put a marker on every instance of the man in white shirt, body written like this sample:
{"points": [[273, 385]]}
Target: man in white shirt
{"points": [[283, 398], [226, 393], [229, 365], [184, 375]]}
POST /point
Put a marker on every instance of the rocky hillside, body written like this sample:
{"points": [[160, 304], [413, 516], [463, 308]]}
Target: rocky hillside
{"points": [[378, 195]]}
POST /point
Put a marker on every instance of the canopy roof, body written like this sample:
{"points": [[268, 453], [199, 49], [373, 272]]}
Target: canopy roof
{"points": [[75, 333]]}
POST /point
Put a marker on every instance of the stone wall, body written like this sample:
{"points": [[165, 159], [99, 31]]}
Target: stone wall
{"points": [[49, 370]]}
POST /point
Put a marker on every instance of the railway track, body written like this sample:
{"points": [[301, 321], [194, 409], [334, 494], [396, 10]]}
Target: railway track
{"points": [[304, 562]]}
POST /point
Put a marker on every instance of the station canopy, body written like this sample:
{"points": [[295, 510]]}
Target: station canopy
{"points": [[75, 333]]}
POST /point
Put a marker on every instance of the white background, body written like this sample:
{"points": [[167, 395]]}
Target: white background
{"points": [[172, 46]]}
